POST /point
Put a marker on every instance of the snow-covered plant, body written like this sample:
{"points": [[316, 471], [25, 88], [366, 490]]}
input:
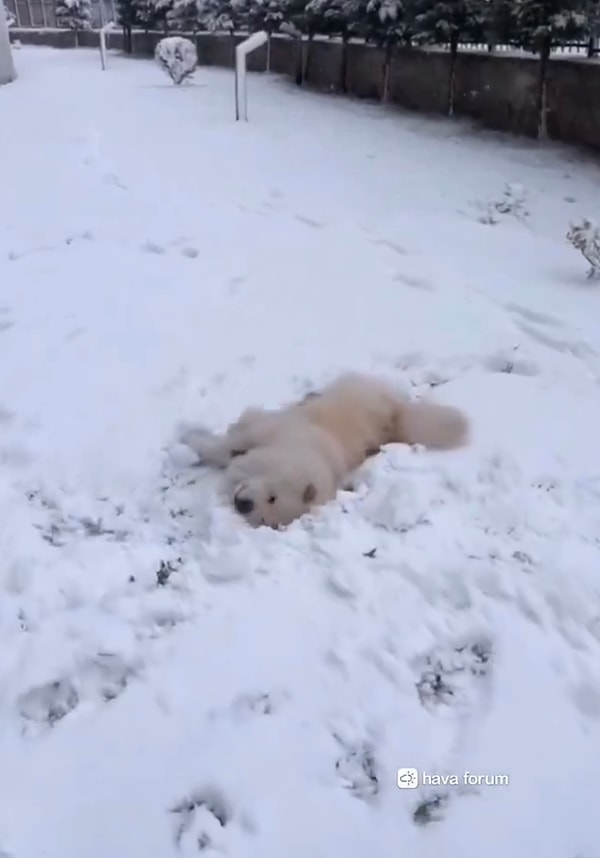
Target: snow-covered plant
{"points": [[513, 202], [10, 18], [177, 56], [74, 14], [585, 237]]}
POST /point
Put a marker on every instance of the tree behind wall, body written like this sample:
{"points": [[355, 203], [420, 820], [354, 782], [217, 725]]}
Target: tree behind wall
{"points": [[387, 23], [183, 16], [133, 14], [341, 18], [449, 22], [228, 15], [74, 15], [541, 25], [267, 15]]}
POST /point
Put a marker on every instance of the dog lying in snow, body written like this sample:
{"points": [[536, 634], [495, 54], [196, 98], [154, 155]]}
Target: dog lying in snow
{"points": [[280, 464]]}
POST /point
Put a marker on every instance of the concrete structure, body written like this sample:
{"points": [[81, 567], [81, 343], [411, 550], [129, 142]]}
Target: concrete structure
{"points": [[7, 67]]}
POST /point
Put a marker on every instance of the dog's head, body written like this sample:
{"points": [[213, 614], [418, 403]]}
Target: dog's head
{"points": [[272, 486], [256, 427], [578, 230]]}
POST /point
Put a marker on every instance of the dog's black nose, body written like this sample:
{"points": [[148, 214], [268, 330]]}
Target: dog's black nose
{"points": [[244, 505]]}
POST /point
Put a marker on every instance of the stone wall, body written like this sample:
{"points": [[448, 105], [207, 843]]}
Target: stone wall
{"points": [[499, 91]]}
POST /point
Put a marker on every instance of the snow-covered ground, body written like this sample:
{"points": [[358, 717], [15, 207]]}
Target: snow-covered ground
{"points": [[173, 683]]}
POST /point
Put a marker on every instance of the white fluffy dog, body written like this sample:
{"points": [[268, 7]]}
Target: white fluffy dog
{"points": [[279, 464]]}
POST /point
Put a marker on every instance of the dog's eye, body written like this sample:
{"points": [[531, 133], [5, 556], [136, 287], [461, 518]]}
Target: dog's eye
{"points": [[235, 453], [272, 499]]}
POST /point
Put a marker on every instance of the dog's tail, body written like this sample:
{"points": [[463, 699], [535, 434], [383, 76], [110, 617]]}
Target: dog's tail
{"points": [[437, 427]]}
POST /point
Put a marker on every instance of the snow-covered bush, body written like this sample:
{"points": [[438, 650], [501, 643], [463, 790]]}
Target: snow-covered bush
{"points": [[177, 56], [74, 14], [585, 237]]}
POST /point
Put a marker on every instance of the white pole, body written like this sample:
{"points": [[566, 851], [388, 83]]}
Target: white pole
{"points": [[241, 52], [7, 67], [103, 31]]}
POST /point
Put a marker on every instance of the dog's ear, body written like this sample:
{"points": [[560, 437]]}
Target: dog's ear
{"points": [[309, 494]]}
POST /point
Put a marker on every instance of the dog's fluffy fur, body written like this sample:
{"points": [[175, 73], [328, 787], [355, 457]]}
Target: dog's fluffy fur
{"points": [[281, 463]]}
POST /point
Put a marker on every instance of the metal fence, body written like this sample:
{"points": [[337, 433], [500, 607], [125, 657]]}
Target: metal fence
{"points": [[42, 13]]}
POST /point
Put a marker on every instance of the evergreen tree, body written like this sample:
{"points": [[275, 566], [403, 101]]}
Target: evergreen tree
{"points": [[183, 16], [449, 22], [592, 13], [222, 14], [132, 14], [335, 17], [341, 18], [387, 24], [74, 15], [229, 15], [295, 17], [266, 15], [160, 19], [541, 25]]}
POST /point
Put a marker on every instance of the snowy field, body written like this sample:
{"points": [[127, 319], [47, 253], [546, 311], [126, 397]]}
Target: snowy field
{"points": [[173, 683]]}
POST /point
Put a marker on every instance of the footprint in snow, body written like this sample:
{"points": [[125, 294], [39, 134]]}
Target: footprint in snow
{"points": [[201, 820], [507, 363], [533, 315], [414, 282], [357, 768], [103, 677], [309, 221], [456, 678], [152, 247]]}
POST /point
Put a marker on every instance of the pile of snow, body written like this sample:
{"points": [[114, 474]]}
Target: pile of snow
{"points": [[174, 683]]}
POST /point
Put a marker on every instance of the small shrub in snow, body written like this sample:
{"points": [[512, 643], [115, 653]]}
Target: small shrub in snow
{"points": [[177, 56], [512, 203], [585, 237]]}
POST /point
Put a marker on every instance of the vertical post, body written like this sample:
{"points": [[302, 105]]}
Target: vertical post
{"points": [[237, 85], [242, 50], [102, 42], [7, 68]]}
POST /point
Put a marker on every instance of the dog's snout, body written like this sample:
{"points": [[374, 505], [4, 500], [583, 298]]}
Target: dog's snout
{"points": [[244, 505]]}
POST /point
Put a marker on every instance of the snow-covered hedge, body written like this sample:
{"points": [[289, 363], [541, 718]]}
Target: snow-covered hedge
{"points": [[177, 56]]}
